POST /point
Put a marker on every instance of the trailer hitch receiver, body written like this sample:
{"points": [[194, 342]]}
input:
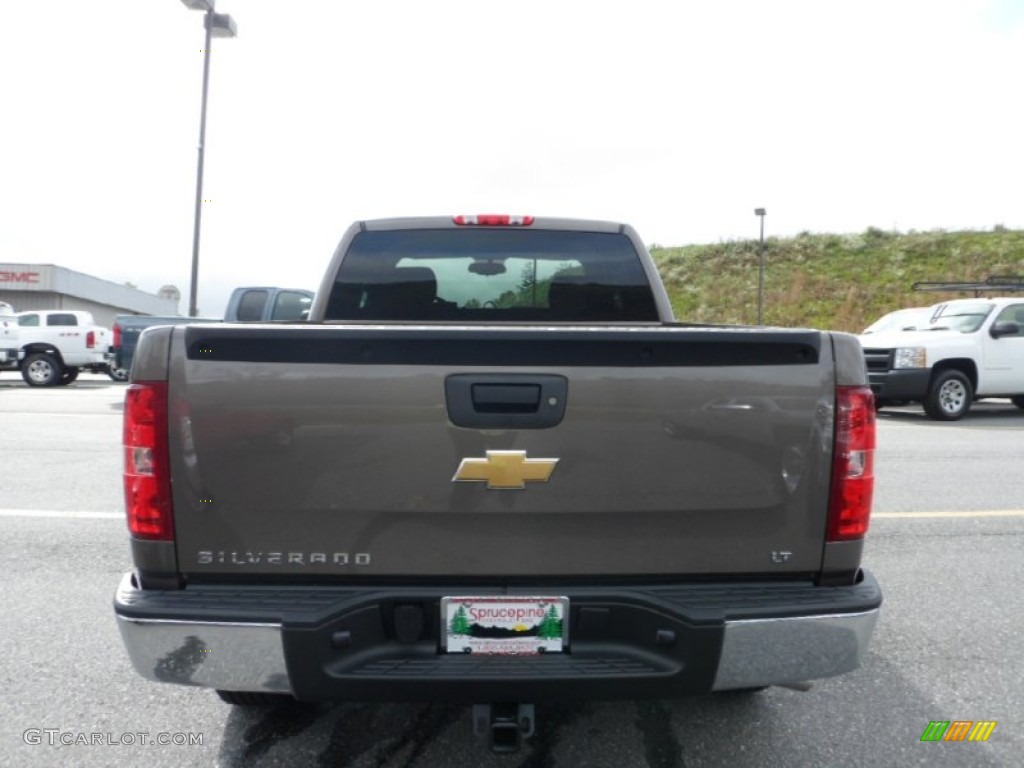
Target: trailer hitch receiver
{"points": [[504, 725]]}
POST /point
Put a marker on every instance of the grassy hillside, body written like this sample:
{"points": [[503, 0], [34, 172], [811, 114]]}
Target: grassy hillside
{"points": [[840, 282]]}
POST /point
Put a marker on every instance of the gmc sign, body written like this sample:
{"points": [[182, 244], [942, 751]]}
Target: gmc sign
{"points": [[19, 277]]}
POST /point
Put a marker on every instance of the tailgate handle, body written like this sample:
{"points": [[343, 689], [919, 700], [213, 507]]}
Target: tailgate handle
{"points": [[506, 400]]}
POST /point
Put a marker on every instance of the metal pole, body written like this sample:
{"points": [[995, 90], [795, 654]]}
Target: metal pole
{"points": [[193, 310], [760, 276]]}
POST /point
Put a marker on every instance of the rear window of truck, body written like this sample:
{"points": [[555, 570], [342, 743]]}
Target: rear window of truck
{"points": [[63, 319], [503, 275], [250, 306]]}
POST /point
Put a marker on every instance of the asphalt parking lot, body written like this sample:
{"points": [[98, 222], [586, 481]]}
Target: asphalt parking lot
{"points": [[946, 545]]}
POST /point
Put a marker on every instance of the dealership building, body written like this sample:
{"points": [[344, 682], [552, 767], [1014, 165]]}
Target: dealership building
{"points": [[47, 286]]}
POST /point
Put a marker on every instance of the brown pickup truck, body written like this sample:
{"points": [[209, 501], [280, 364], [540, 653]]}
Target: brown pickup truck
{"points": [[491, 468]]}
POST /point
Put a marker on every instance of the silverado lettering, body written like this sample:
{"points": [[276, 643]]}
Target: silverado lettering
{"points": [[282, 558]]}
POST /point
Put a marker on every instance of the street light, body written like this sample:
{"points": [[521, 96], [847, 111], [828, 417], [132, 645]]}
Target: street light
{"points": [[760, 270], [217, 25]]}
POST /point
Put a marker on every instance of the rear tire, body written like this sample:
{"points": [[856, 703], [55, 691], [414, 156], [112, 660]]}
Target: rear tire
{"points": [[255, 699], [67, 376], [41, 369], [949, 397], [117, 374]]}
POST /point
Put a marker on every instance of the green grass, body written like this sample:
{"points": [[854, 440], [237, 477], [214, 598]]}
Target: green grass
{"points": [[838, 282]]}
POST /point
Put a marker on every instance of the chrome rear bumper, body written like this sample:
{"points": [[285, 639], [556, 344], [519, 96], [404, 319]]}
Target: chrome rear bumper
{"points": [[231, 657], [761, 652], [301, 656]]}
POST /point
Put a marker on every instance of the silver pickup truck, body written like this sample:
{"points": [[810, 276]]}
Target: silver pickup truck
{"points": [[491, 468]]}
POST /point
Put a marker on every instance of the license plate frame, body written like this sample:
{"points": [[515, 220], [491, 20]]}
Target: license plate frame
{"points": [[505, 625]]}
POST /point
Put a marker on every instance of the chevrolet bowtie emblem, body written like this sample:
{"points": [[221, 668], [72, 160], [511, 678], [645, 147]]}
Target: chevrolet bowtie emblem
{"points": [[505, 469]]}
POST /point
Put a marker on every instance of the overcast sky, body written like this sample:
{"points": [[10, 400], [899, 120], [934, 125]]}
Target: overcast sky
{"points": [[677, 117]]}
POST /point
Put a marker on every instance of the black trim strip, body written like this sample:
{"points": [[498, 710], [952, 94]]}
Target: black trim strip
{"points": [[314, 605], [483, 346]]}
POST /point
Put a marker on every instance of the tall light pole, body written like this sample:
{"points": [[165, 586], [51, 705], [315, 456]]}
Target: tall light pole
{"points": [[217, 25], [760, 269]]}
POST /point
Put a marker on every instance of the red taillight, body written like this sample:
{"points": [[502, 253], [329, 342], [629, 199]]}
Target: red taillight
{"points": [[147, 479], [493, 220], [853, 464], [90, 339], [117, 335]]}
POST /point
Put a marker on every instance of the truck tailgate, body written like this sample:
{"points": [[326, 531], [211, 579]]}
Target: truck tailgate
{"points": [[332, 450]]}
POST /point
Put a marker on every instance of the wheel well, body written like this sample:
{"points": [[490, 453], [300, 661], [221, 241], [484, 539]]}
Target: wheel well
{"points": [[49, 349], [966, 366]]}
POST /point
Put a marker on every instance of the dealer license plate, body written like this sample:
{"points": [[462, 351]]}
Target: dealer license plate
{"points": [[504, 625]]}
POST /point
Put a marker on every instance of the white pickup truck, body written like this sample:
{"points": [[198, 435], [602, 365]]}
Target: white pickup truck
{"points": [[971, 348], [8, 335], [56, 344]]}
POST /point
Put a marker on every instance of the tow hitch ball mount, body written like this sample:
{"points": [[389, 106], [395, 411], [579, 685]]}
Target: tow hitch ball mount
{"points": [[504, 725]]}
